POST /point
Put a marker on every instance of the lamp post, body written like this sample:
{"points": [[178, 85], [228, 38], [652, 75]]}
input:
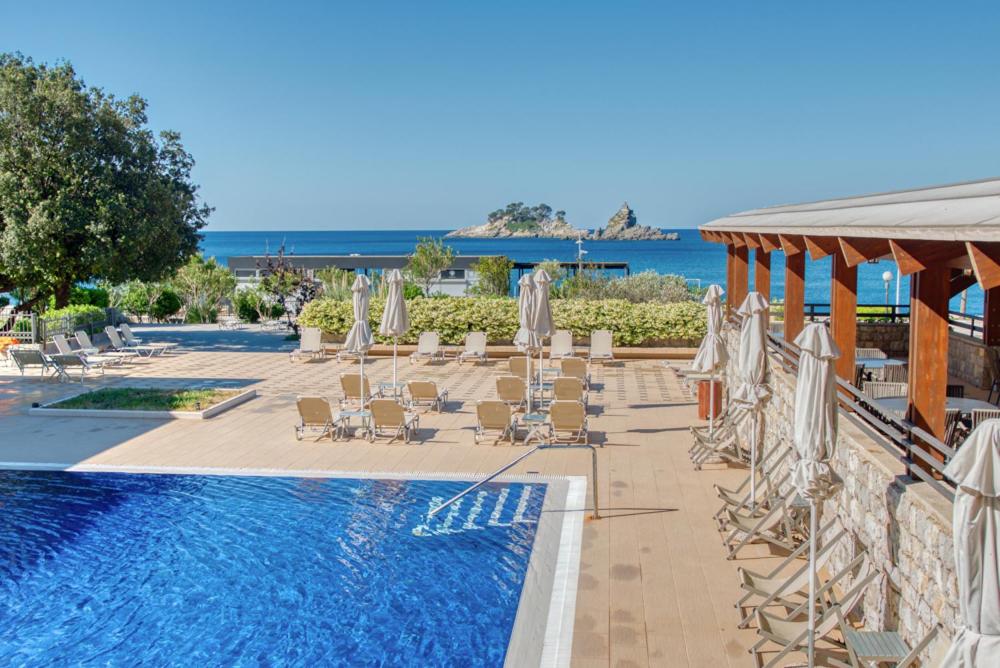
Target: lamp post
{"points": [[887, 279]]}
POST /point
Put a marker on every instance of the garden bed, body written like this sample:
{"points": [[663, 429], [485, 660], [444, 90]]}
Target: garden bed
{"points": [[147, 402]]}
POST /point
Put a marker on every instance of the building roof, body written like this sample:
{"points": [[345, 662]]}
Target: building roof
{"points": [[343, 261], [959, 212]]}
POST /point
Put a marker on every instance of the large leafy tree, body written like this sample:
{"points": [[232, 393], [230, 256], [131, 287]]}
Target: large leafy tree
{"points": [[87, 190], [429, 259]]}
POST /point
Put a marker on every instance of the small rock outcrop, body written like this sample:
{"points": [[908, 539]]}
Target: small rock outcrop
{"points": [[624, 226]]}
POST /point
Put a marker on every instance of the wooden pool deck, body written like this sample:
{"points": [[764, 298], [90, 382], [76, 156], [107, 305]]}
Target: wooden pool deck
{"points": [[654, 588]]}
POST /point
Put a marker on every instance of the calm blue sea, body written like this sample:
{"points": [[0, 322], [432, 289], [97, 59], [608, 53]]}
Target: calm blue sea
{"points": [[690, 256]]}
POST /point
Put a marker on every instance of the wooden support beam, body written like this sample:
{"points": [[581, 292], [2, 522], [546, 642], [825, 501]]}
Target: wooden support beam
{"points": [[762, 273], [991, 317], [736, 239], [792, 244], [795, 291], [770, 242], [857, 250], [929, 352], [741, 271], [706, 235], [820, 247], [752, 240], [913, 255], [730, 262], [960, 281], [985, 258], [844, 314]]}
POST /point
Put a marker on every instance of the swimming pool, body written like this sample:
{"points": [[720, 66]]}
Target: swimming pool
{"points": [[141, 568]]}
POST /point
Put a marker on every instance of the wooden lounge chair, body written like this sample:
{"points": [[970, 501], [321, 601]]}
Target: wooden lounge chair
{"points": [[310, 345], [791, 633], [569, 421], [389, 416], [561, 345], [428, 347], [350, 383], [575, 367], [475, 348], [425, 393], [158, 347], [495, 416], [316, 413], [601, 346], [566, 388], [512, 391], [119, 346]]}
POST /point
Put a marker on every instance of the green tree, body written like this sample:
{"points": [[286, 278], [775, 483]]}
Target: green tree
{"points": [[87, 190], [429, 259], [203, 284], [493, 276]]}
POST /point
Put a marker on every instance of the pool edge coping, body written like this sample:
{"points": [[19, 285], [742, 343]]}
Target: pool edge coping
{"points": [[557, 640]]}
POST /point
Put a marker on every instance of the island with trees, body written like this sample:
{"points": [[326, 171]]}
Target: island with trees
{"points": [[517, 220]]}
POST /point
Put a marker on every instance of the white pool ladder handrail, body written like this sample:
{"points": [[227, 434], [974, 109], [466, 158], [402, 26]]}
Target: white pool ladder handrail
{"points": [[543, 446]]}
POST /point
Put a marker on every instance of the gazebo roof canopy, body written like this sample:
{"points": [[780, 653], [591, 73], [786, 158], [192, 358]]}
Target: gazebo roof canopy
{"points": [[958, 212]]}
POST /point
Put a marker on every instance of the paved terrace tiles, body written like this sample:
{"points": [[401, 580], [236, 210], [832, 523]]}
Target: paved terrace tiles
{"points": [[654, 589]]}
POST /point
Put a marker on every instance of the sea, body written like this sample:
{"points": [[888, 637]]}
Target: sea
{"points": [[700, 262]]}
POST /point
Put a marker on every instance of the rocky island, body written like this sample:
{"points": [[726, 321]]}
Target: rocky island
{"points": [[519, 221]]}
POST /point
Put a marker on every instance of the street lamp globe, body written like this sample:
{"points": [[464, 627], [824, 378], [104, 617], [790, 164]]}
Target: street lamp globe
{"points": [[887, 276]]}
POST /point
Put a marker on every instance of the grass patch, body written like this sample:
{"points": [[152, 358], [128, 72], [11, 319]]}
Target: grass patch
{"points": [[147, 399]]}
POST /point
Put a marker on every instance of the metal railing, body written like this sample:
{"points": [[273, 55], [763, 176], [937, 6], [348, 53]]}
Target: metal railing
{"points": [[966, 323], [912, 446], [542, 446], [815, 311], [29, 328]]}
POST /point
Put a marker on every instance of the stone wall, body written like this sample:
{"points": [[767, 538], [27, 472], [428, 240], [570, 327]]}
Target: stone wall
{"points": [[969, 359], [905, 526], [890, 337]]}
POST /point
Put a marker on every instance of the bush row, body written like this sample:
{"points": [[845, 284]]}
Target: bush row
{"points": [[453, 317]]}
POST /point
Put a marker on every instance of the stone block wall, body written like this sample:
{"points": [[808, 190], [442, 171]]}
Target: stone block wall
{"points": [[891, 338], [969, 359], [905, 526]]}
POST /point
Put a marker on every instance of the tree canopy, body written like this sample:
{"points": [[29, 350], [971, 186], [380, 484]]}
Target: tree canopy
{"points": [[87, 190], [429, 259]]}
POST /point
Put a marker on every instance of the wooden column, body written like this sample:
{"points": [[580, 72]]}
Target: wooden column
{"points": [[730, 263], [741, 271], [795, 293], [991, 317], [929, 293], [844, 314], [762, 273]]}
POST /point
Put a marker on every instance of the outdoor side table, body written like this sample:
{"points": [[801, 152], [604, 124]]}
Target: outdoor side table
{"points": [[390, 389], [345, 417], [538, 427]]}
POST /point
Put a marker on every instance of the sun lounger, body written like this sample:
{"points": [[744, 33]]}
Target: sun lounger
{"points": [[776, 526], [231, 322], [310, 345], [350, 383], [575, 367], [561, 345], [389, 417], [512, 391], [569, 421], [83, 340], [119, 346], [566, 388], [64, 363], [25, 358], [600, 346], [727, 449], [428, 347], [316, 413], [159, 347], [64, 347], [93, 358], [495, 416], [791, 633], [768, 484], [475, 348], [518, 365], [788, 583], [425, 393]]}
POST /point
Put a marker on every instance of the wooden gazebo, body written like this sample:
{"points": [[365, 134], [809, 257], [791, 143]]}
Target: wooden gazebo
{"points": [[945, 237]]}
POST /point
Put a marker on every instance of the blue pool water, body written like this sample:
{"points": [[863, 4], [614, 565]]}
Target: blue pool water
{"points": [[126, 569]]}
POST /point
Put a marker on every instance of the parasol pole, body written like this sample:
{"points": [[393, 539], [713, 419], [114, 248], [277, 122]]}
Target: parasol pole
{"points": [[812, 582]]}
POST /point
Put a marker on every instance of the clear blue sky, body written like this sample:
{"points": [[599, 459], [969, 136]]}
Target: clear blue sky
{"points": [[392, 115]]}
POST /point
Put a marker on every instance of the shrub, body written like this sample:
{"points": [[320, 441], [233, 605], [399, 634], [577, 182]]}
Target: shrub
{"points": [[167, 304], [492, 276], [453, 317], [251, 303], [78, 315]]}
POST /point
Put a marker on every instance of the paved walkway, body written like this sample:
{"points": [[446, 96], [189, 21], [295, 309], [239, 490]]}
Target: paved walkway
{"points": [[654, 588]]}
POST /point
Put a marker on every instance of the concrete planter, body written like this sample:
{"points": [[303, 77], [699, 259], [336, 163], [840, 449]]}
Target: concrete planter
{"points": [[212, 411]]}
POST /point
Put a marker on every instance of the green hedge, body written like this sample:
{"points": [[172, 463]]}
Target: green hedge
{"points": [[453, 317]]}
